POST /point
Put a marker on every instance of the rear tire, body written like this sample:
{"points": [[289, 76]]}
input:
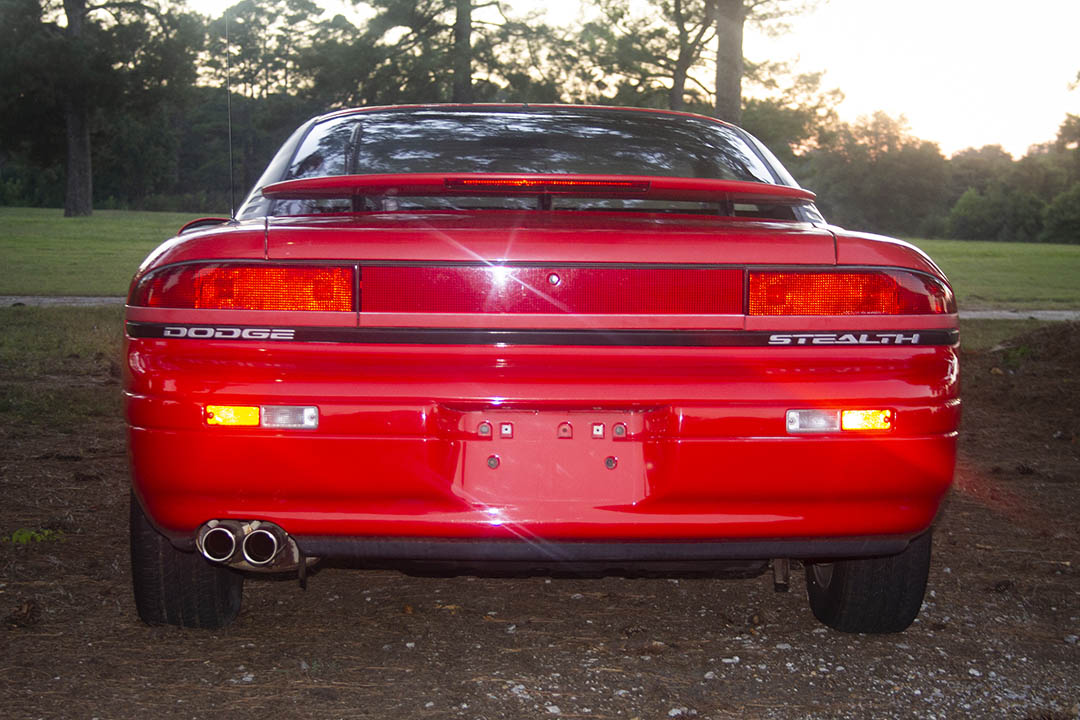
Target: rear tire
{"points": [[173, 587], [871, 595]]}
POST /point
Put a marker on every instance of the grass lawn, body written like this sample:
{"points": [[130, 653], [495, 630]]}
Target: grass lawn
{"points": [[59, 366], [1008, 276], [978, 335], [44, 253]]}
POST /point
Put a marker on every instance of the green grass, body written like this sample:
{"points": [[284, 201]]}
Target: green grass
{"points": [[977, 335], [44, 253], [59, 366], [43, 341], [1008, 276]]}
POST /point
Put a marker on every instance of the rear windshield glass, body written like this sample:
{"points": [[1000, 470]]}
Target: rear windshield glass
{"points": [[524, 140]]}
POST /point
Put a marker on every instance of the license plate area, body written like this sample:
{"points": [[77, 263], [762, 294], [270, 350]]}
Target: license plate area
{"points": [[583, 457]]}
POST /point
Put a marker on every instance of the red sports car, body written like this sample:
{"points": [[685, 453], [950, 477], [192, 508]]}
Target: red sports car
{"points": [[536, 339]]}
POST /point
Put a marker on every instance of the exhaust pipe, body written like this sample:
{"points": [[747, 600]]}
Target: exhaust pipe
{"points": [[218, 544], [261, 546], [248, 545]]}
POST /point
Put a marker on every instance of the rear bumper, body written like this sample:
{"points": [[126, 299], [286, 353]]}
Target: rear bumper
{"points": [[701, 489], [597, 554], [705, 458]]}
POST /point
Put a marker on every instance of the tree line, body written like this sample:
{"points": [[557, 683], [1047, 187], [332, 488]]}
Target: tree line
{"points": [[128, 103]]}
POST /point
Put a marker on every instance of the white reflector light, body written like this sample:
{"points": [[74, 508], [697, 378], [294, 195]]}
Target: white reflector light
{"points": [[290, 416], [813, 421]]}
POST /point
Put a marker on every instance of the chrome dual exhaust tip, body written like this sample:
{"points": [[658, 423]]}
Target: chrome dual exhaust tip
{"points": [[218, 544], [243, 544], [260, 547]]}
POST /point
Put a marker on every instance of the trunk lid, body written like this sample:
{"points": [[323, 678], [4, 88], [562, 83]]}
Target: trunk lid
{"points": [[537, 237], [545, 269]]}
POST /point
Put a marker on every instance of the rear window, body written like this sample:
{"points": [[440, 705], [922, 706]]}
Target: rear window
{"points": [[522, 140]]}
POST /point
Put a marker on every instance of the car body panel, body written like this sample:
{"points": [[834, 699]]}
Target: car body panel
{"points": [[547, 237], [878, 250]]}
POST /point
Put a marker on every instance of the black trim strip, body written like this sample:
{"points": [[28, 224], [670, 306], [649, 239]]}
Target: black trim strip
{"points": [[465, 550], [572, 337]]}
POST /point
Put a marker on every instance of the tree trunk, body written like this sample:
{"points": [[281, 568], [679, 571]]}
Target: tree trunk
{"points": [[78, 197], [462, 90], [730, 18], [678, 84], [678, 75]]}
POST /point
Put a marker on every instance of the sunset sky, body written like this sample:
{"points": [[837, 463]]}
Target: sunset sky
{"points": [[965, 73]]}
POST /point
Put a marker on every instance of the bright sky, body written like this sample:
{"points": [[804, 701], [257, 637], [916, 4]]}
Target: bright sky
{"points": [[965, 73]]}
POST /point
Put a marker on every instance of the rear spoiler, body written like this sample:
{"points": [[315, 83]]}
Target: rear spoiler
{"points": [[576, 185]]}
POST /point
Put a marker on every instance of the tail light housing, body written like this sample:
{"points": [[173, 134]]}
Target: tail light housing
{"points": [[861, 292], [236, 286], [815, 421]]}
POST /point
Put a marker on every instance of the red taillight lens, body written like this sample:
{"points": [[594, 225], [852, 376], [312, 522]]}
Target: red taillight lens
{"points": [[248, 287], [880, 292]]}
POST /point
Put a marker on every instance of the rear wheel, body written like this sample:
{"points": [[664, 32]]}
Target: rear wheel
{"points": [[173, 587], [871, 595]]}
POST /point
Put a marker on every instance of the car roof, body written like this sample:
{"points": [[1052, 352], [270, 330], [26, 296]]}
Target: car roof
{"points": [[502, 107]]}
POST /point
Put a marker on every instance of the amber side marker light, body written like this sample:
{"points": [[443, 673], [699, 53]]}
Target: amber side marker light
{"points": [[866, 420], [241, 415], [826, 421], [305, 417]]}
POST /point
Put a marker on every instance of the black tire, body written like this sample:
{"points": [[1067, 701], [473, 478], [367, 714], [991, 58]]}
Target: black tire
{"points": [[173, 587], [871, 595]]}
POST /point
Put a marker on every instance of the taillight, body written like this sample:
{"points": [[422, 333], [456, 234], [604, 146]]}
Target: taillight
{"points": [[863, 292], [229, 286]]}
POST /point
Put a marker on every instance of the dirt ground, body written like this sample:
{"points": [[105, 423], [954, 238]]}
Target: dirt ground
{"points": [[997, 637]]}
